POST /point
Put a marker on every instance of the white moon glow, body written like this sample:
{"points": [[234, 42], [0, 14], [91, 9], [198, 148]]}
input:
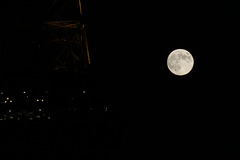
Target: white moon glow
{"points": [[180, 62]]}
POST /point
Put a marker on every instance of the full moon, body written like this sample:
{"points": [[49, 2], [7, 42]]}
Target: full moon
{"points": [[180, 62]]}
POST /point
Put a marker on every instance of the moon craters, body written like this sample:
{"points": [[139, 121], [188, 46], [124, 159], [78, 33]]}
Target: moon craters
{"points": [[180, 62]]}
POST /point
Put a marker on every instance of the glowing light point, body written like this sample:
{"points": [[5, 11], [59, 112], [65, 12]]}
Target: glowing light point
{"points": [[105, 109]]}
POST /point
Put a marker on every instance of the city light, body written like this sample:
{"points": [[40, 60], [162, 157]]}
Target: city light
{"points": [[105, 109], [35, 103], [36, 87]]}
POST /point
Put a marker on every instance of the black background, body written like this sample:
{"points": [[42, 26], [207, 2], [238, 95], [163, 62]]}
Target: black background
{"points": [[129, 43]]}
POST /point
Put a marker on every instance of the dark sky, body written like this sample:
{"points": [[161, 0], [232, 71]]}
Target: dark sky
{"points": [[129, 43]]}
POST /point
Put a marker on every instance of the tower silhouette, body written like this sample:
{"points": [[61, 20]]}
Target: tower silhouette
{"points": [[64, 35], [51, 31], [44, 44]]}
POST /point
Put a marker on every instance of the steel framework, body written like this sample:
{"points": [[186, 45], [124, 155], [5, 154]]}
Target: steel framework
{"points": [[56, 31], [67, 32]]}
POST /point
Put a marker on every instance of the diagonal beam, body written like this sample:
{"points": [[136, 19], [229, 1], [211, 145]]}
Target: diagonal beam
{"points": [[80, 6], [50, 8]]}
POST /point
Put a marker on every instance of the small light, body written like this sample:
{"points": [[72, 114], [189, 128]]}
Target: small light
{"points": [[42, 100], [30, 118], [24, 92], [10, 101], [9, 110], [38, 116], [11, 117], [1, 92], [84, 91], [7, 98], [105, 109], [49, 117], [18, 118], [39, 109], [37, 100], [5, 101], [1, 119]]}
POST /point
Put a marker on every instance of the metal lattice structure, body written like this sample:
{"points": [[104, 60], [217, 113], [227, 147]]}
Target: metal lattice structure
{"points": [[67, 32], [50, 32], [71, 37]]}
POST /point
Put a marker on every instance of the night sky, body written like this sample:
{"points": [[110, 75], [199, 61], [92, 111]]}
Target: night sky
{"points": [[129, 43]]}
